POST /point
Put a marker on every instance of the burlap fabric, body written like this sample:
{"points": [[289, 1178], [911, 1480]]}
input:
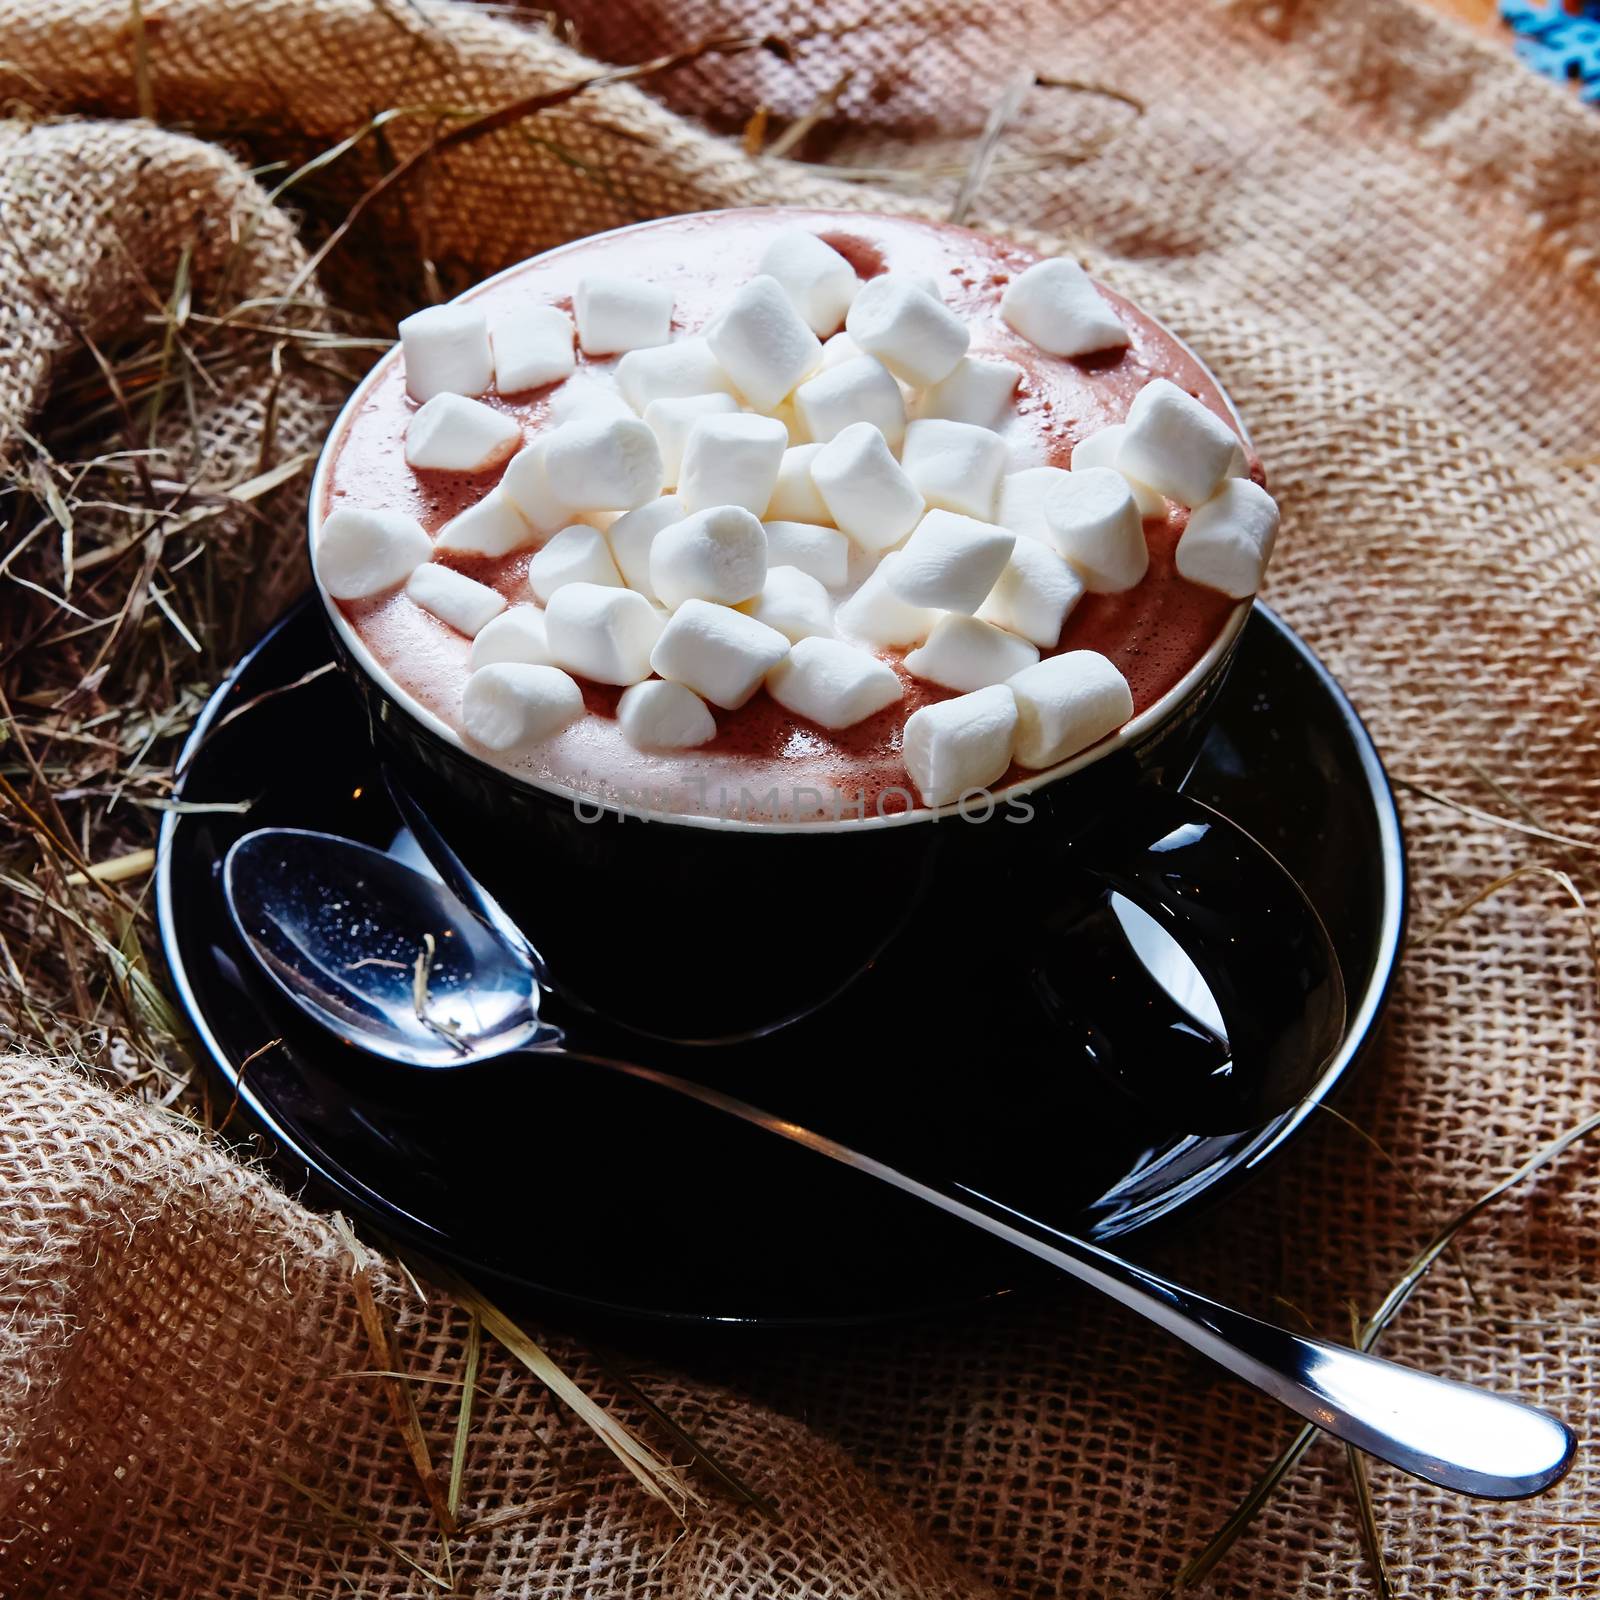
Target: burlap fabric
{"points": [[1384, 238]]}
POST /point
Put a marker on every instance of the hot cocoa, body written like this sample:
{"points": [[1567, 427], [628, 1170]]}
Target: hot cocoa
{"points": [[701, 516]]}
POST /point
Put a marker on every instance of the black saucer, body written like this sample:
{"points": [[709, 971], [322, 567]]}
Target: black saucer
{"points": [[621, 1199]]}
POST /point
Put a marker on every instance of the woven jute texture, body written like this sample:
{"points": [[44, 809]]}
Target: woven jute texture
{"points": [[1384, 239]]}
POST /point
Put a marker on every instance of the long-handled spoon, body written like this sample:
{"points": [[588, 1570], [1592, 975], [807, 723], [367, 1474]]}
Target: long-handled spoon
{"points": [[389, 960]]}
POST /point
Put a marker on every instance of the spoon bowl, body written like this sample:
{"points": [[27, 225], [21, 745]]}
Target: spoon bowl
{"points": [[378, 954]]}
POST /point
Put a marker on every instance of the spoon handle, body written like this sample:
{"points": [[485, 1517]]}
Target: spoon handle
{"points": [[1447, 1433]]}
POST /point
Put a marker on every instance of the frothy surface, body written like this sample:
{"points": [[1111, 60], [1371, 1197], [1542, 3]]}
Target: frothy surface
{"points": [[1153, 632]]}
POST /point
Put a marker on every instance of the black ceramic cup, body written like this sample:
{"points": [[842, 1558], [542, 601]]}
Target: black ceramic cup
{"points": [[1166, 947]]}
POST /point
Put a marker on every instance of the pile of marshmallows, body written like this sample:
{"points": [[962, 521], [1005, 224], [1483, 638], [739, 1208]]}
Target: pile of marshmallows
{"points": [[727, 583]]}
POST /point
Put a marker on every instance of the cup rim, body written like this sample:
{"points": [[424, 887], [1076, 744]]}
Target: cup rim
{"points": [[1131, 733]]}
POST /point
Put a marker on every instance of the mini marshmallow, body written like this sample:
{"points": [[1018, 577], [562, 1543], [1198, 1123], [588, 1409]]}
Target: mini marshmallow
{"points": [[862, 390], [455, 599], [517, 634], [532, 347], [632, 535], [602, 633], [1066, 704], [817, 279], [453, 434], [526, 483], [1095, 523], [865, 489], [618, 314], [875, 614], [1238, 463], [1034, 595], [721, 654], [951, 562], [1055, 305], [509, 704], [671, 372], [763, 342], [1175, 444], [664, 716], [794, 603], [732, 461], [1022, 497], [794, 495], [578, 554], [446, 351], [673, 420], [718, 554], [1229, 539], [957, 466], [362, 553], [587, 397], [840, 348], [834, 685], [491, 527], [964, 653], [910, 331], [824, 553], [610, 465], [976, 391], [1101, 450], [957, 746]]}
